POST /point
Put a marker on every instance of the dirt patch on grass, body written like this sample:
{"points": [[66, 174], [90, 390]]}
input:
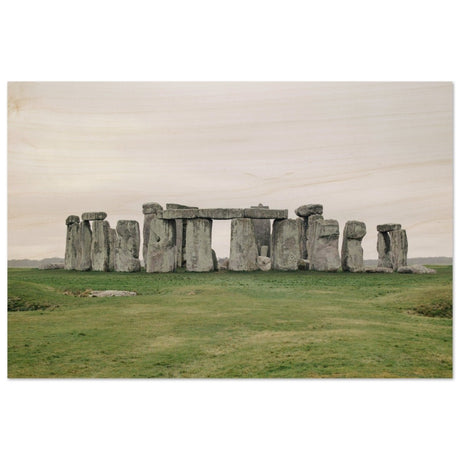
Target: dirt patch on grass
{"points": [[18, 304]]}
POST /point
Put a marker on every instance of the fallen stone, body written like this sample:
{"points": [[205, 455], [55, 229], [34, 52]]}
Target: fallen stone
{"points": [[286, 249], [161, 253], [93, 216], [127, 246], [416, 269], [309, 209], [324, 255], [51, 266], [388, 227], [243, 247], [378, 270], [111, 293], [198, 246], [264, 263]]}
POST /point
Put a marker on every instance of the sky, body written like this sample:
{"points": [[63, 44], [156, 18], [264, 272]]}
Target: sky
{"points": [[375, 152]]}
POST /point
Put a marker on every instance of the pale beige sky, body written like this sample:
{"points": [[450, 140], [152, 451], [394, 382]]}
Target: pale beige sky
{"points": [[377, 152]]}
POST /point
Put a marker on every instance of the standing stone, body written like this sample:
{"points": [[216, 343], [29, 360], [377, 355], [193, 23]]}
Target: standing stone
{"points": [[112, 248], [198, 245], [243, 246], [215, 262], [161, 253], [262, 231], [324, 254], [127, 246], [100, 246], [181, 225], [85, 246], [286, 241], [150, 210], [352, 252], [312, 223], [392, 246], [72, 246], [305, 212], [399, 248]]}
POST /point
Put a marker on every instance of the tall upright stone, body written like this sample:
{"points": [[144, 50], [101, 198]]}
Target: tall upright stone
{"points": [[262, 230], [100, 246], [72, 246], [286, 244], [161, 252], [352, 251], [127, 246], [304, 212], [324, 249], [392, 246], [150, 210], [310, 233], [243, 246], [181, 229], [113, 237], [198, 246], [85, 246]]}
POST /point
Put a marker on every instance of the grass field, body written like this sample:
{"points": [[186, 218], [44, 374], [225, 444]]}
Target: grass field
{"points": [[260, 324]]}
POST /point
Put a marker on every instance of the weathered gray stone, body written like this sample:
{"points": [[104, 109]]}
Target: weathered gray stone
{"points": [[223, 263], [49, 266], [286, 240], [180, 214], [72, 246], [85, 246], [261, 213], [264, 251], [309, 209], [100, 246], [112, 293], [112, 248], [388, 227], [416, 269], [399, 248], [262, 229], [214, 260], [161, 253], [378, 270], [220, 213], [243, 247], [150, 210], [352, 252], [384, 250], [303, 264], [324, 255], [198, 246], [310, 234], [72, 220], [264, 263], [127, 246], [93, 216], [179, 206]]}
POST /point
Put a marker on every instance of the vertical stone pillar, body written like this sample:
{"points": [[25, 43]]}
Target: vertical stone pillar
{"points": [[150, 210], [310, 235], [181, 228], [198, 245], [161, 253], [100, 246], [324, 249], [286, 243], [392, 246], [72, 246], [127, 246], [85, 245], [112, 248], [305, 212], [262, 229], [243, 246], [352, 251]]}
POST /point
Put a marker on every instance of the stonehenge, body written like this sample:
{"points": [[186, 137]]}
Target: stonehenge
{"points": [[180, 237]]}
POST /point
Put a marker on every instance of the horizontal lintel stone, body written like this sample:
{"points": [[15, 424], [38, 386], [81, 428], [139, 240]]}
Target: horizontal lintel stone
{"points": [[388, 227], [225, 213], [93, 216]]}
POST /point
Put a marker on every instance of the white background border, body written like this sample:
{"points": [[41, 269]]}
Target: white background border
{"points": [[238, 40]]}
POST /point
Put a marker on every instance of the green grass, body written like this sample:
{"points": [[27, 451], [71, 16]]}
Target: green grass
{"points": [[260, 324]]}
